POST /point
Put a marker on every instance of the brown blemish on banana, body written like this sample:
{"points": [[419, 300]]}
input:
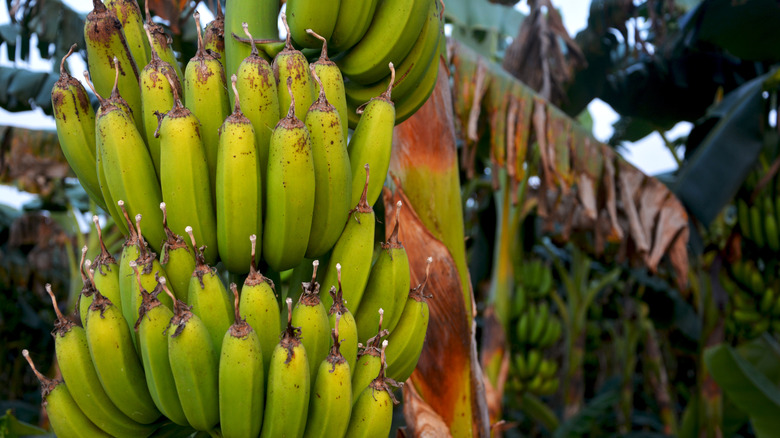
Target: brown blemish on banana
{"points": [[291, 337]]}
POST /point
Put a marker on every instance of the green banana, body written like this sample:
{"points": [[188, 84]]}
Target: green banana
{"points": [[311, 317], [105, 42], [319, 16], [767, 301], [161, 42], [332, 174], [75, 121], [209, 299], [352, 23], [372, 413], [368, 362], [185, 177], [409, 71], [524, 326], [291, 68], [743, 218], [539, 322], [177, 259], [214, 34], [349, 345], [87, 293], [130, 251], [158, 81], [153, 320], [239, 189], [406, 341], [72, 351], [332, 82], [260, 15], [354, 252], [65, 417], [287, 403], [770, 224], [118, 367], [520, 365], [408, 105], [241, 379], [394, 30], [290, 191], [331, 397], [520, 301], [533, 359], [371, 144], [195, 366], [106, 270], [257, 87], [122, 149], [756, 227], [259, 306], [129, 14], [388, 285], [204, 94]]}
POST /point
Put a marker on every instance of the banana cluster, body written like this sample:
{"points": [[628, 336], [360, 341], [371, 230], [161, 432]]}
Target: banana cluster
{"points": [[162, 340], [236, 145], [754, 303], [536, 329]]}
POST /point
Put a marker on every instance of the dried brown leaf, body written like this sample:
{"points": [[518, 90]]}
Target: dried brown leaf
{"points": [[671, 221], [421, 419], [616, 234], [654, 193], [630, 181]]}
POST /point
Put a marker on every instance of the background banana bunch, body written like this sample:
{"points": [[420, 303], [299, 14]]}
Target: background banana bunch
{"points": [[536, 329], [241, 161]]}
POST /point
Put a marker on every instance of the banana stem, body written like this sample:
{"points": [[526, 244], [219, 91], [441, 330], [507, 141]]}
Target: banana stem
{"points": [[62, 63], [60, 316]]}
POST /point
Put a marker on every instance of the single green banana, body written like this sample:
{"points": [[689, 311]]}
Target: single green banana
{"points": [[122, 149], [349, 343], [66, 418], [394, 30], [72, 351], [260, 15], [388, 285], [409, 104], [352, 23], [413, 67], [87, 293], [767, 301], [524, 326], [319, 16], [331, 395], [743, 218], [214, 34], [158, 81], [75, 121], [153, 319], [129, 14], [332, 174], [291, 67], [287, 403], [116, 362], [177, 259], [257, 87], [205, 96], [106, 270], [161, 42], [208, 299], [130, 251], [372, 412], [185, 177], [195, 366], [241, 379], [332, 82], [311, 317], [520, 365], [259, 306], [520, 301], [354, 252], [371, 144], [105, 41], [770, 224], [756, 226], [539, 323], [239, 189], [406, 341], [290, 191], [369, 362], [533, 359]]}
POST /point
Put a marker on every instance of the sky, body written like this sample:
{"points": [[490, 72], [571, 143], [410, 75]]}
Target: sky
{"points": [[649, 154]]}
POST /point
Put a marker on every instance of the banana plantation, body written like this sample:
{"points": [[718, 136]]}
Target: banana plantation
{"points": [[389, 218]]}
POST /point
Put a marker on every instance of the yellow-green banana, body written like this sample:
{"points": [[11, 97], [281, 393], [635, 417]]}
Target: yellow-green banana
{"points": [[388, 285], [153, 320], [354, 252], [241, 379], [372, 412], [393, 32], [214, 34], [177, 259], [349, 342], [195, 366], [332, 174], [287, 402], [130, 251], [185, 177], [259, 306], [161, 42], [239, 189], [205, 96], [291, 68], [352, 23], [312, 318], [371, 144], [332, 82], [331, 394], [368, 361], [315, 15], [409, 104], [290, 191], [66, 418], [209, 299], [406, 341], [87, 293], [129, 14], [75, 121], [106, 270]]}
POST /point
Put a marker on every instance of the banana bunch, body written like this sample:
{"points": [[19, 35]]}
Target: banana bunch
{"points": [[753, 307]]}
